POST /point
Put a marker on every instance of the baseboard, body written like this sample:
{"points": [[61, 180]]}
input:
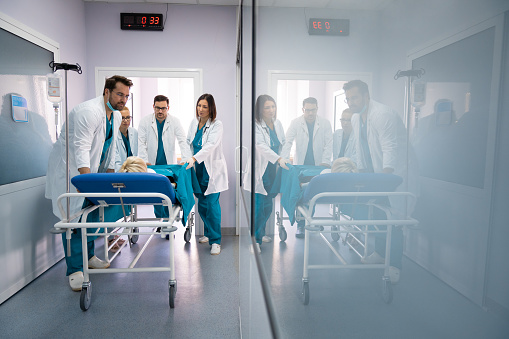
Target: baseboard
{"points": [[228, 231]]}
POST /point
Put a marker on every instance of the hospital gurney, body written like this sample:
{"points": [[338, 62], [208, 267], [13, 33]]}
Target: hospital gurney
{"points": [[288, 183], [363, 201], [125, 189]]}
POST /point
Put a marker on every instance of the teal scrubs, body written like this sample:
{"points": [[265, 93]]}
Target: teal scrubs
{"points": [[310, 156], [75, 260], [127, 145], [159, 210], [263, 203], [208, 205]]}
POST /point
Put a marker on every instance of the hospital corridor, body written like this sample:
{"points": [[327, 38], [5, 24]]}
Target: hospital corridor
{"points": [[254, 169]]}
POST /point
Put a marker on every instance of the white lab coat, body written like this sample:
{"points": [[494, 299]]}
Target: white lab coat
{"points": [[322, 141], [87, 130], [386, 136], [337, 141], [121, 153], [148, 139], [263, 154], [211, 153]]}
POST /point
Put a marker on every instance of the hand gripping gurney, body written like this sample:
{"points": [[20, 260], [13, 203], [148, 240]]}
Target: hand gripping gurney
{"points": [[104, 190], [362, 199]]}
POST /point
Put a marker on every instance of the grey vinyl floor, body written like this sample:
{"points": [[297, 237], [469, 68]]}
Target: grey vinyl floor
{"points": [[343, 303]]}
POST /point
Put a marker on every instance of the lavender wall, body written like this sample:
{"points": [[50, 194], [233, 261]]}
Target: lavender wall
{"points": [[194, 37]]}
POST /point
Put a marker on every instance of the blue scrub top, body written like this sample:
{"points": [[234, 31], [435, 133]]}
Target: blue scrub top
{"points": [[127, 144], [201, 171], [310, 157], [161, 157], [109, 137], [270, 172], [363, 132]]}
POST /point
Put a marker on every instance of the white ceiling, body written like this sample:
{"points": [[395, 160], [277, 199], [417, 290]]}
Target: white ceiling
{"points": [[373, 5]]}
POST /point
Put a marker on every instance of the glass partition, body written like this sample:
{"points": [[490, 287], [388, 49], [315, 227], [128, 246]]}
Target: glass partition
{"points": [[332, 197]]}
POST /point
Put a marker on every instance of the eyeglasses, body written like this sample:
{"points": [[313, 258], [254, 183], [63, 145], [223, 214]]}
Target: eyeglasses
{"points": [[122, 96], [310, 110], [352, 98], [162, 109], [126, 118], [345, 120]]}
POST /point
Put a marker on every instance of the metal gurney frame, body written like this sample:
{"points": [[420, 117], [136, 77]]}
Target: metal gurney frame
{"points": [[155, 189], [355, 196]]}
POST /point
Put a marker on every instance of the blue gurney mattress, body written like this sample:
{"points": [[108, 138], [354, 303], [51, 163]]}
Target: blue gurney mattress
{"points": [[349, 182], [128, 183]]}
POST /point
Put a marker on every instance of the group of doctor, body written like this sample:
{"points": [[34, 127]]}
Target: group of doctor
{"points": [[373, 136], [96, 146]]}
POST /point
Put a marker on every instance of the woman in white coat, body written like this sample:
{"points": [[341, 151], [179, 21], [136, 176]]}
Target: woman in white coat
{"points": [[270, 137], [205, 137], [127, 140]]}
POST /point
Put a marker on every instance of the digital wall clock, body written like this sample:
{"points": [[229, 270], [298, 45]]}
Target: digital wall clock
{"points": [[141, 21], [318, 26]]}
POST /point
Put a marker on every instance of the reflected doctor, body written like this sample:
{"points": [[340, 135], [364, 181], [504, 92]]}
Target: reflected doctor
{"points": [[270, 138], [205, 137]]}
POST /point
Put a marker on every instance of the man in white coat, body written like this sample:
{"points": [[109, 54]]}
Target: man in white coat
{"points": [[156, 140], [343, 144], [380, 148], [157, 133], [313, 142], [93, 127], [127, 140]]}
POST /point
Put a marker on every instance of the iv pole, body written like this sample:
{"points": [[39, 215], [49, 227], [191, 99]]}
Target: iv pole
{"points": [[77, 68], [410, 75]]}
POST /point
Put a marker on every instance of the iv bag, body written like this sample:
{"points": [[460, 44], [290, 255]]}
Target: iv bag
{"points": [[418, 93], [55, 83]]}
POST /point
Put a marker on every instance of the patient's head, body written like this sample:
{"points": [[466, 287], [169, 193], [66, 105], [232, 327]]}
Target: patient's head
{"points": [[133, 164], [343, 165]]}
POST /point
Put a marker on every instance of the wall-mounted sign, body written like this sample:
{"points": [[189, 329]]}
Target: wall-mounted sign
{"points": [[19, 108]]}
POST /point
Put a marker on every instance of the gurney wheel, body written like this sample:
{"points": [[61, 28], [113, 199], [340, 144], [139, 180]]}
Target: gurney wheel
{"points": [[387, 291], [187, 235], [135, 237], [282, 233], [86, 296], [305, 292], [334, 236], [173, 292]]}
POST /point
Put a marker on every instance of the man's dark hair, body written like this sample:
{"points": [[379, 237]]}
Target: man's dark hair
{"points": [[111, 82], [311, 101], [161, 97], [361, 85]]}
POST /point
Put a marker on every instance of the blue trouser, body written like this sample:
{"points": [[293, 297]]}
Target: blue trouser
{"points": [[361, 212], [75, 261], [161, 211], [396, 245], [263, 209], [210, 213]]}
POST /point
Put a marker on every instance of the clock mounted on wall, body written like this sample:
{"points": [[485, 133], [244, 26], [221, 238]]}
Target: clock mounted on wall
{"points": [[141, 21]]}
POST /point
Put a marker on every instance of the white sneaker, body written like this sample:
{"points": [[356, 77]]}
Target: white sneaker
{"points": [[216, 249], [266, 239], [374, 258], [97, 263], [394, 274], [76, 281], [203, 240]]}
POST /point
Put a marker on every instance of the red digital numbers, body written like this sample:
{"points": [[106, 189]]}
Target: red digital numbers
{"points": [[317, 24]]}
